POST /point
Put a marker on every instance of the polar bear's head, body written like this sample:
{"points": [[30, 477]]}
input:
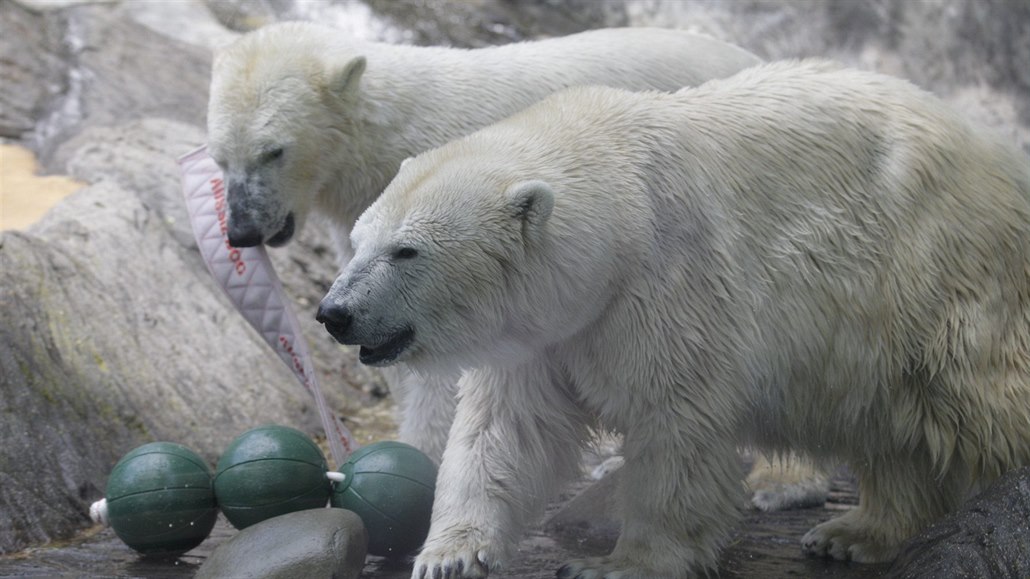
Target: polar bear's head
{"points": [[276, 113], [442, 273]]}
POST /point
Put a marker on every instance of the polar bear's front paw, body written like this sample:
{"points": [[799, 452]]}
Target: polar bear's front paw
{"points": [[600, 568], [841, 539], [454, 561]]}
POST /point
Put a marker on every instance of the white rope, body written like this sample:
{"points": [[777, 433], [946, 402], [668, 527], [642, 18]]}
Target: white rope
{"points": [[98, 512]]}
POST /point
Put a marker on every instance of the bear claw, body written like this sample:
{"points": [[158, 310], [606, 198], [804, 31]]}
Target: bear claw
{"points": [[451, 566]]}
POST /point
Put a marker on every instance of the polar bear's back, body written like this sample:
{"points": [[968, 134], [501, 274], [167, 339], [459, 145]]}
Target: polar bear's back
{"points": [[470, 89], [868, 158], [772, 134], [630, 58]]}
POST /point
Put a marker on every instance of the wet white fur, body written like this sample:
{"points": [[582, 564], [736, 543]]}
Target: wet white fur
{"points": [[347, 113], [799, 256]]}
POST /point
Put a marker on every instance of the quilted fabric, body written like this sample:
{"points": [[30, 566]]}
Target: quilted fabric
{"points": [[248, 279]]}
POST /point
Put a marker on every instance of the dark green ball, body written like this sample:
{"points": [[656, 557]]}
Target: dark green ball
{"points": [[270, 471], [390, 485], [160, 499]]}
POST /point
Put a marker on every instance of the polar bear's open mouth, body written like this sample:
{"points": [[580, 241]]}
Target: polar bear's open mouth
{"points": [[285, 234], [387, 351]]}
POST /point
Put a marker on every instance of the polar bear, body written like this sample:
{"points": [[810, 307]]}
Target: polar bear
{"points": [[802, 255], [303, 119]]}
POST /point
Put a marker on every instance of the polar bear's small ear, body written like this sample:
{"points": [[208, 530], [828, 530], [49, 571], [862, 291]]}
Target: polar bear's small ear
{"points": [[345, 80], [532, 202]]}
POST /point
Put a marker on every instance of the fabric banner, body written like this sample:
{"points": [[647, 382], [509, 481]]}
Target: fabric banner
{"points": [[247, 276]]}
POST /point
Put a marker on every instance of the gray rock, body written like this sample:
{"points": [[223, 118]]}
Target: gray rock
{"points": [[33, 66], [139, 156], [246, 15], [316, 544], [971, 54], [112, 70], [988, 537], [488, 22], [189, 21]]}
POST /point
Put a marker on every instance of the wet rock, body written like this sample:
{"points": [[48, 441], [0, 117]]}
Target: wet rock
{"points": [[246, 15], [317, 543], [139, 156], [951, 48], [190, 21], [113, 70], [988, 537], [488, 22], [33, 67]]}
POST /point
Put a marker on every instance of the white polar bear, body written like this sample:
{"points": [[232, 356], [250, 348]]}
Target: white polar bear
{"points": [[803, 256], [303, 119]]}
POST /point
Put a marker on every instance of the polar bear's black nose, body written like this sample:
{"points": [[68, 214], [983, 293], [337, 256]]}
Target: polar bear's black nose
{"points": [[243, 232], [336, 318]]}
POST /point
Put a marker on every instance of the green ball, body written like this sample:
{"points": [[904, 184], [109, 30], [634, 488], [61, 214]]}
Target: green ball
{"points": [[270, 471], [390, 485], [160, 499]]}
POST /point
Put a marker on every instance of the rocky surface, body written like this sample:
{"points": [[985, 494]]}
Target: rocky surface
{"points": [[33, 60], [111, 332], [988, 537], [765, 545]]}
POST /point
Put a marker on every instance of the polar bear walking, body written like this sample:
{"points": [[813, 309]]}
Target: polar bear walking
{"points": [[304, 120], [801, 255]]}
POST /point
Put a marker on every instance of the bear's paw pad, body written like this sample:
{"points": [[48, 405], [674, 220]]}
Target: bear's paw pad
{"points": [[841, 540], [452, 562]]}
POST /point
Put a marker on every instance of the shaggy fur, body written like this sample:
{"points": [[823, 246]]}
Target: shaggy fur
{"points": [[303, 120], [801, 256]]}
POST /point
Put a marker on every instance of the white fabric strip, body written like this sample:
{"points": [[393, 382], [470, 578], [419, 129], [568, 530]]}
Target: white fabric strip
{"points": [[247, 276]]}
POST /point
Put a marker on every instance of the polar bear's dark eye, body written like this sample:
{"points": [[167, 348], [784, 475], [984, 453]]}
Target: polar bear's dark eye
{"points": [[405, 253], [272, 155]]}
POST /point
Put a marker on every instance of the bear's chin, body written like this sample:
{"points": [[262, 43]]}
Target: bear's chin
{"points": [[387, 352], [285, 234]]}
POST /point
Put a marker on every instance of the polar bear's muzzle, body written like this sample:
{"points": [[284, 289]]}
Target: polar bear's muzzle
{"points": [[339, 323], [283, 236], [244, 232], [388, 351]]}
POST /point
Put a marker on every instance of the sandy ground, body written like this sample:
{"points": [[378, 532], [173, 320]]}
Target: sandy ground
{"points": [[24, 194]]}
